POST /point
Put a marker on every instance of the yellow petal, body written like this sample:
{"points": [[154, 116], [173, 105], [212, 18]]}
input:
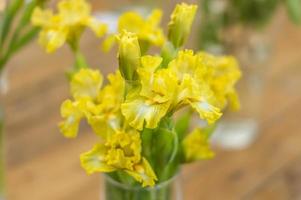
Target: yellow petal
{"points": [[196, 146], [86, 83], [129, 55], [74, 12], [206, 111], [180, 23], [151, 63], [143, 173], [108, 43], [233, 100], [94, 160], [72, 114], [124, 149], [154, 18], [52, 39], [103, 125], [147, 30], [97, 27], [138, 110], [130, 21], [41, 17]]}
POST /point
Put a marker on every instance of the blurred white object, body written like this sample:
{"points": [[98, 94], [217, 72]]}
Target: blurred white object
{"points": [[235, 135], [3, 83], [109, 18]]}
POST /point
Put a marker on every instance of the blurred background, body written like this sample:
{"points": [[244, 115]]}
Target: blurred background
{"points": [[262, 159]]}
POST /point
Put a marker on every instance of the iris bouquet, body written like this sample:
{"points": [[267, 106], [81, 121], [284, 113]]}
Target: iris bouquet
{"points": [[141, 144]]}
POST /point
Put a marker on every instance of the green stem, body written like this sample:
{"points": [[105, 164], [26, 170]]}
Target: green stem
{"points": [[168, 53], [9, 15], [172, 163], [80, 61], [16, 45]]}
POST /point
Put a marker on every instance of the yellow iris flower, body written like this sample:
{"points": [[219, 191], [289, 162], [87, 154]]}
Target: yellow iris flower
{"points": [[67, 25], [194, 90], [85, 89], [146, 29], [165, 90], [180, 24], [223, 80], [150, 102], [86, 84], [129, 55], [104, 115], [101, 107], [121, 151], [196, 146], [138, 110]]}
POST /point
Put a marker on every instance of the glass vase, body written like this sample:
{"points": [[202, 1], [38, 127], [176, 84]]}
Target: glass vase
{"points": [[167, 190]]}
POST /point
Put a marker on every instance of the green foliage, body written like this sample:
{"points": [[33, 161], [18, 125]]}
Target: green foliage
{"points": [[294, 10], [249, 13], [254, 13], [160, 147], [13, 38], [182, 125]]}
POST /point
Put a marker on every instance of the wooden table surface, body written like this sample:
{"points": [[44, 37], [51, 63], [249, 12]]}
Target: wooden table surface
{"points": [[42, 165]]}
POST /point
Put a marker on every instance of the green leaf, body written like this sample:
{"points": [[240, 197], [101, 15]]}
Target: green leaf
{"points": [[182, 125], [168, 53], [294, 10], [165, 148], [17, 45], [8, 17], [25, 39], [163, 145], [80, 61], [146, 139]]}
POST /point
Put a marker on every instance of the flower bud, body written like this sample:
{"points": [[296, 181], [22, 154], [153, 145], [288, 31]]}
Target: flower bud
{"points": [[129, 55], [180, 24]]}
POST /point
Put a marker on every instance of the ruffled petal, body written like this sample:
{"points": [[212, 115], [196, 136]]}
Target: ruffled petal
{"points": [[206, 111], [52, 39], [86, 84], [196, 146], [94, 160], [41, 17], [143, 173], [138, 110], [72, 112]]}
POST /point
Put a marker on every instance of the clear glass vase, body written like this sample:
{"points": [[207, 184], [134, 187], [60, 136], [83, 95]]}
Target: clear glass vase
{"points": [[168, 190]]}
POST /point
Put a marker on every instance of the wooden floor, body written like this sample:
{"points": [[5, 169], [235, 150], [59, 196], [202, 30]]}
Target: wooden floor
{"points": [[42, 165]]}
